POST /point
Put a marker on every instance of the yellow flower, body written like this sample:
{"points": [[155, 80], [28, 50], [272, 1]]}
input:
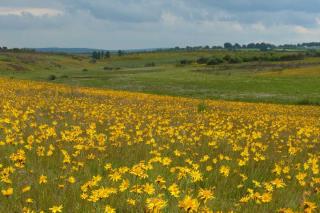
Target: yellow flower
{"points": [[196, 176], [266, 197], [160, 180], [301, 178], [224, 170], [205, 195], [149, 189], [29, 200], [71, 180], [278, 183], [55, 209], [209, 168], [124, 185], [268, 187], [309, 207], [285, 210], [7, 192], [26, 189], [43, 179], [188, 204], [84, 196], [60, 186], [116, 176], [109, 209], [174, 190], [277, 169], [156, 204], [131, 202], [108, 166]]}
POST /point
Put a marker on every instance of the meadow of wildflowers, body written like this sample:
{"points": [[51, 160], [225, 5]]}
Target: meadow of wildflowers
{"points": [[68, 149]]}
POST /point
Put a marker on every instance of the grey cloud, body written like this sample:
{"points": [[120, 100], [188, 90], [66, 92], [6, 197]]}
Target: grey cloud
{"points": [[160, 23]]}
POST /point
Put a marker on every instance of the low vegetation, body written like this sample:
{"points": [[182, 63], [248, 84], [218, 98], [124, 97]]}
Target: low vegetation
{"points": [[289, 77]]}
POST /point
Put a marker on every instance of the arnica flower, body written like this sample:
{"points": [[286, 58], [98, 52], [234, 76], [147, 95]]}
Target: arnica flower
{"points": [[205, 195], [224, 170], [43, 179], [124, 185], [56, 209], [109, 209], [155, 204], [131, 202], [26, 189], [149, 189], [71, 180], [309, 207], [174, 190], [7, 192], [285, 210], [266, 197], [188, 204]]}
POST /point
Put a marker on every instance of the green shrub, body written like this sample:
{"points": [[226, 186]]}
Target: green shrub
{"points": [[185, 62], [64, 76], [215, 61], [235, 60], [307, 102], [203, 60], [152, 64], [108, 68], [52, 77]]}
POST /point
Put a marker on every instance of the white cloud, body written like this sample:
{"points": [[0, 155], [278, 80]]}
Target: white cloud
{"points": [[170, 19], [301, 30], [259, 27], [5, 11]]}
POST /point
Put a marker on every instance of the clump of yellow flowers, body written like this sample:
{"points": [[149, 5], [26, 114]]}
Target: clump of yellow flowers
{"points": [[70, 149]]}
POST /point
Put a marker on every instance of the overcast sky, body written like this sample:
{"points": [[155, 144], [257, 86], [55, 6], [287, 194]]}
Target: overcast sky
{"points": [[130, 24]]}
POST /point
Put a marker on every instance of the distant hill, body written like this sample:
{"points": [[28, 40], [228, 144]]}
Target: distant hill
{"points": [[67, 50]]}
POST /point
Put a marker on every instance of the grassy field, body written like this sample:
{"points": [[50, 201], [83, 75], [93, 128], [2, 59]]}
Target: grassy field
{"points": [[73, 149], [291, 82]]}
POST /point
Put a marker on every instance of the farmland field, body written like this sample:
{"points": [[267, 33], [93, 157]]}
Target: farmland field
{"points": [[77, 149]]}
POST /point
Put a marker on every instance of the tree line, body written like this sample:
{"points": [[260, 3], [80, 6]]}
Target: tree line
{"points": [[263, 46], [6, 49], [236, 59], [97, 55]]}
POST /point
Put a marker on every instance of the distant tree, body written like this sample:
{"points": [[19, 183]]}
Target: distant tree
{"points": [[237, 46], [216, 47], [102, 55], [107, 54], [251, 46], [120, 53], [94, 55], [188, 48], [227, 45]]}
